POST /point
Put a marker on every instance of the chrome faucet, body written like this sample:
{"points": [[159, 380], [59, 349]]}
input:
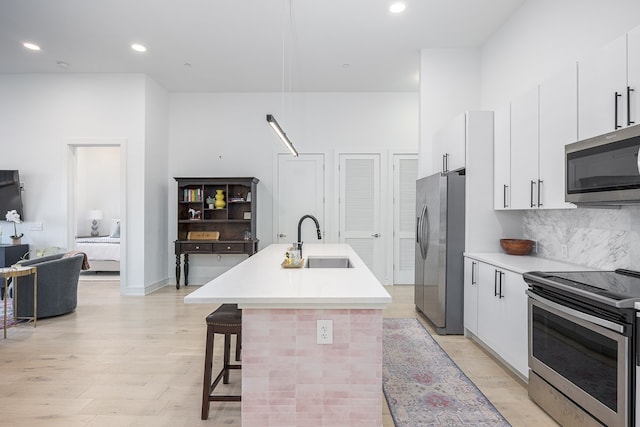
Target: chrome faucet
{"points": [[299, 242]]}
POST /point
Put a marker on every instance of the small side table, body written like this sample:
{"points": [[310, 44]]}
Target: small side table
{"points": [[15, 272]]}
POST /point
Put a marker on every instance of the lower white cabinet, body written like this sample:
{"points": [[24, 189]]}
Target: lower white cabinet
{"points": [[471, 295], [501, 311]]}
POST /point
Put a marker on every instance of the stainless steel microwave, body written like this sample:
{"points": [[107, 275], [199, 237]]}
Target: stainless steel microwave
{"points": [[604, 170]]}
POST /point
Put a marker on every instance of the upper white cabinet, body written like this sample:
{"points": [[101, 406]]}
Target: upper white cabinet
{"points": [[524, 151], [558, 126], [502, 158], [449, 143], [530, 135], [606, 97], [633, 74]]}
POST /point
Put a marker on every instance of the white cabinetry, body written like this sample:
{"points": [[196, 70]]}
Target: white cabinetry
{"points": [[530, 135], [524, 151], [449, 143], [501, 158], [501, 312], [606, 97], [471, 295], [558, 126], [633, 74]]}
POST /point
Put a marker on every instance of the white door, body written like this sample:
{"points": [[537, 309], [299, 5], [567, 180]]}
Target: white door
{"points": [[502, 158], [558, 127], [524, 151], [633, 76], [405, 174], [359, 209], [300, 192], [602, 84]]}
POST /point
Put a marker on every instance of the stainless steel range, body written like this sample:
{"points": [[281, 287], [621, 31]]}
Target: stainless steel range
{"points": [[582, 345]]}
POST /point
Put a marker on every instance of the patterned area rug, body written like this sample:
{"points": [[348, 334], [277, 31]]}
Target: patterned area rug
{"points": [[424, 387]]}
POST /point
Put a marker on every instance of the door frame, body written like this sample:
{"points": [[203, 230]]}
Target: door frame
{"points": [[72, 145]]}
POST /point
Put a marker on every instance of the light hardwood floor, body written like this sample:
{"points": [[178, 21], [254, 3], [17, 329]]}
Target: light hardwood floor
{"points": [[137, 361]]}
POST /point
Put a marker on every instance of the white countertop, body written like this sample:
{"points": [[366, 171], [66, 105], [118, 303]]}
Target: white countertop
{"points": [[261, 282], [524, 263]]}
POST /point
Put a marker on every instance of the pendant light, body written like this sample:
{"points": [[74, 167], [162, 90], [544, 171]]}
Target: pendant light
{"points": [[271, 120], [283, 136]]}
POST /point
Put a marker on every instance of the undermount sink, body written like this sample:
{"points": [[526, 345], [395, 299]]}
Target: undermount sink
{"points": [[328, 262]]}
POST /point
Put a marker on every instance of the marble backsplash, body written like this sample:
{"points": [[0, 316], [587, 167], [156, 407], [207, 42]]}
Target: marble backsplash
{"points": [[596, 238]]}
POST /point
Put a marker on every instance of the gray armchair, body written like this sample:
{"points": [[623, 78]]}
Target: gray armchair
{"points": [[57, 286]]}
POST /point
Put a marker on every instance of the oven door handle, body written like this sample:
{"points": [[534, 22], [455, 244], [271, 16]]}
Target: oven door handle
{"points": [[575, 313]]}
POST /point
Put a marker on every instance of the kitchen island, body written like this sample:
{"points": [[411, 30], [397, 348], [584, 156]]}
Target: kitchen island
{"points": [[287, 378]]}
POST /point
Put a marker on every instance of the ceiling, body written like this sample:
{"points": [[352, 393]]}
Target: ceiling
{"points": [[244, 45]]}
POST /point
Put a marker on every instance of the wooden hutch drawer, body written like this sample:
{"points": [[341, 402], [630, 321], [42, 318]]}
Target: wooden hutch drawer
{"points": [[229, 247], [197, 247]]}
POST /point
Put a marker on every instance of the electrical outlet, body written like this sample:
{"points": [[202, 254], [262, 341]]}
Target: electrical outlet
{"points": [[564, 251], [324, 332]]}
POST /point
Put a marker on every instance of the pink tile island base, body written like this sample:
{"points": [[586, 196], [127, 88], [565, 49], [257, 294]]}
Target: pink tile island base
{"points": [[288, 380]]}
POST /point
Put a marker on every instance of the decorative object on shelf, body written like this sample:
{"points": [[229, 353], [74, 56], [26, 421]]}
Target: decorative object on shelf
{"points": [[95, 215], [14, 216], [246, 215], [220, 203], [516, 246], [194, 214], [249, 196], [210, 201]]}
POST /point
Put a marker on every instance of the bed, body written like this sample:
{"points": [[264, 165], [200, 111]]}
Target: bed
{"points": [[102, 252]]}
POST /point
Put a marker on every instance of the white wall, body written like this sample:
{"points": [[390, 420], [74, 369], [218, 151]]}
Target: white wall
{"points": [[155, 215], [97, 187], [545, 36], [449, 85], [39, 115], [227, 135]]}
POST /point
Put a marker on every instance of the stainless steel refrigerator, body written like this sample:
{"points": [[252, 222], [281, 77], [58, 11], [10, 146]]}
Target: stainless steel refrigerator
{"points": [[439, 282]]}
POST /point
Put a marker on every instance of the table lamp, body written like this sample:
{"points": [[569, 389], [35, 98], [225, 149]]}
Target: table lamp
{"points": [[95, 215]]}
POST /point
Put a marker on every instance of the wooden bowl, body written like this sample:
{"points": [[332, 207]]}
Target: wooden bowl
{"points": [[516, 246]]}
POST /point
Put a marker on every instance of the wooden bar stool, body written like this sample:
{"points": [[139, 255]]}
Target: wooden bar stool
{"points": [[227, 320]]}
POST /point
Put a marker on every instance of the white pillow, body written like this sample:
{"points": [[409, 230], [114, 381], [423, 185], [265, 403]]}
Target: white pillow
{"points": [[115, 228]]}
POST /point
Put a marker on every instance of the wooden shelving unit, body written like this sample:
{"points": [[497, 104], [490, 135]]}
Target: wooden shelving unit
{"points": [[207, 229]]}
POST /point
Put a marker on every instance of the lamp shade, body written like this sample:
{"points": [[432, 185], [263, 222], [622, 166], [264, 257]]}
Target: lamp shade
{"points": [[95, 214]]}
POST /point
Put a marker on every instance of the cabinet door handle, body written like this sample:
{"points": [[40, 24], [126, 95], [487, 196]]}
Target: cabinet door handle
{"points": [[500, 294], [539, 191], [504, 196], [376, 235], [629, 121], [615, 110], [495, 283], [531, 193], [444, 163], [473, 272]]}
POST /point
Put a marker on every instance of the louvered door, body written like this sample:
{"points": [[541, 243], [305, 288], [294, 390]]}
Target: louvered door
{"points": [[360, 224], [405, 173]]}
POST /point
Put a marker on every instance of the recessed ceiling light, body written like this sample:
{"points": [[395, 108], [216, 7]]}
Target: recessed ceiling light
{"points": [[31, 46], [63, 65], [138, 47], [397, 7]]}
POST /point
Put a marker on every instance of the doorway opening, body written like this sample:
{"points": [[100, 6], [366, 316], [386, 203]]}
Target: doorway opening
{"points": [[96, 206]]}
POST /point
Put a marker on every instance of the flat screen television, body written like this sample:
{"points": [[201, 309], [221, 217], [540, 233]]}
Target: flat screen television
{"points": [[10, 194]]}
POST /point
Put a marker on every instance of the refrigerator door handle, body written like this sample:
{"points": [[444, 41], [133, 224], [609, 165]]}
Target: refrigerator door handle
{"points": [[420, 231], [424, 247]]}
